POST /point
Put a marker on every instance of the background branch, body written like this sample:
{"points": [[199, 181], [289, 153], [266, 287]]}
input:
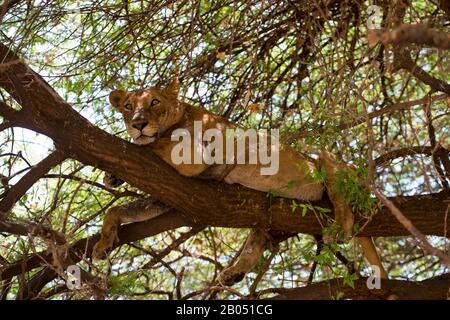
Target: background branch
{"points": [[14, 193], [431, 289]]}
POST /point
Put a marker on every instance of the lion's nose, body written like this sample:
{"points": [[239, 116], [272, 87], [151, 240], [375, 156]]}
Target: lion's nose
{"points": [[140, 125]]}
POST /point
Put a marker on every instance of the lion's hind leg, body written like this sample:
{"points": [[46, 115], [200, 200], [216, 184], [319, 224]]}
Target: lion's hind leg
{"points": [[247, 258], [135, 211], [343, 212], [371, 254]]}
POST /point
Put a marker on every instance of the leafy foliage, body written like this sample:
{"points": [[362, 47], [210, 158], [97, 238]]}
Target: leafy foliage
{"points": [[305, 69]]}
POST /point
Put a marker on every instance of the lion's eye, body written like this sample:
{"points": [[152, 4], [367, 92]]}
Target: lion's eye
{"points": [[154, 102], [128, 107]]}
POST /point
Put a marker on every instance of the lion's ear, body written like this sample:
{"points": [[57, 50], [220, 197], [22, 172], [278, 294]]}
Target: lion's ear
{"points": [[116, 97], [173, 88]]}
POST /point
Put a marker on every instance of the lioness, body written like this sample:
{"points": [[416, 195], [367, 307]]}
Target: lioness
{"points": [[152, 115]]}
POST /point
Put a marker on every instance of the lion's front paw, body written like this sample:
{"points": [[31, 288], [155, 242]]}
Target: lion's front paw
{"points": [[102, 247], [229, 276], [99, 251], [111, 181]]}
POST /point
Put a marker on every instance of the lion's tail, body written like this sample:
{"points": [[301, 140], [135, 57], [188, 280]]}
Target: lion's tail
{"points": [[342, 210], [371, 254]]}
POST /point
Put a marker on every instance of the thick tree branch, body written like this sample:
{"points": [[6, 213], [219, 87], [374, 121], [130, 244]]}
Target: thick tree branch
{"points": [[445, 6], [410, 33], [82, 248], [43, 111], [233, 206], [431, 289], [5, 125], [127, 234], [7, 112]]}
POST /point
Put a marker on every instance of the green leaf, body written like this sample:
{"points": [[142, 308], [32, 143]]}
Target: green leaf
{"points": [[339, 295], [304, 211], [349, 279]]}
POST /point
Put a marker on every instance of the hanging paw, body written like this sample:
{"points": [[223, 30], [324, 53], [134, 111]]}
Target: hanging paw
{"points": [[108, 238], [229, 277], [103, 247], [100, 251], [251, 253]]}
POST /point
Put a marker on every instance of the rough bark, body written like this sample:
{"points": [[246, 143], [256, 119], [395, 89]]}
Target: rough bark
{"points": [[431, 289], [83, 247], [233, 206], [406, 34], [45, 112]]}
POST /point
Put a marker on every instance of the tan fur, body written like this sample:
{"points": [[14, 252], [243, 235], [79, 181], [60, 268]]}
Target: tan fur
{"points": [[251, 252], [135, 211], [343, 212], [154, 113]]}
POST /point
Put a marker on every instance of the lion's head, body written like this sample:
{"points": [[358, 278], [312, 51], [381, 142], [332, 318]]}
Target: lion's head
{"points": [[148, 113]]}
